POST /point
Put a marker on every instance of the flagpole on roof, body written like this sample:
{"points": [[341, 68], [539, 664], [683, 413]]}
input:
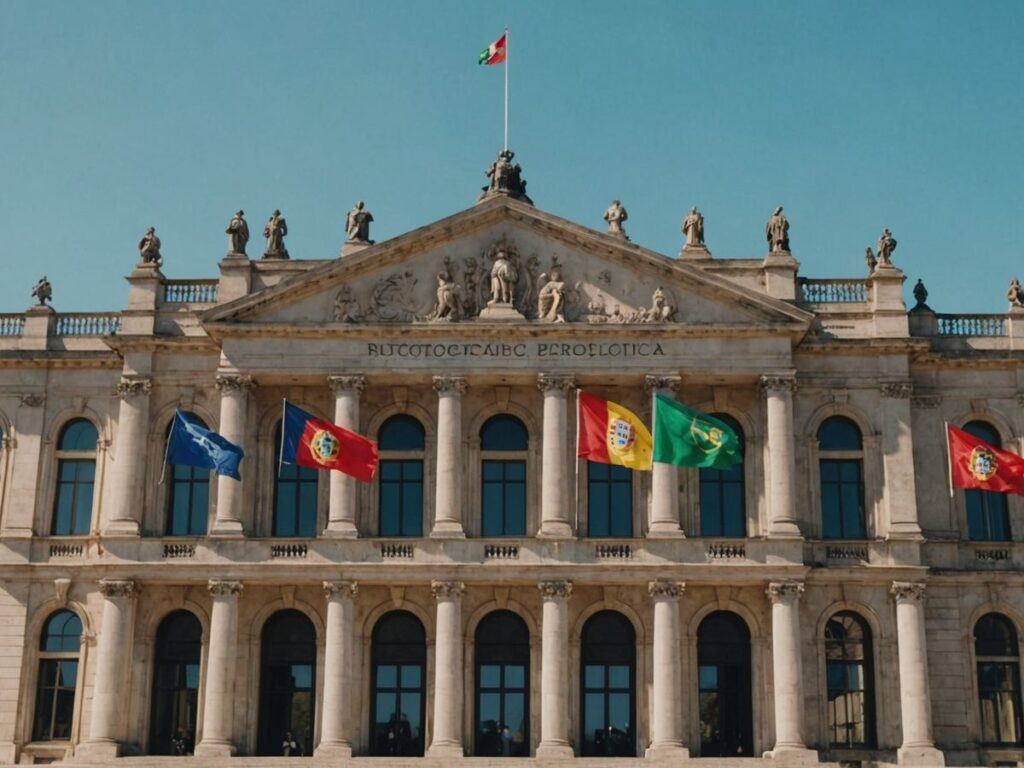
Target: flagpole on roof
{"points": [[506, 89]]}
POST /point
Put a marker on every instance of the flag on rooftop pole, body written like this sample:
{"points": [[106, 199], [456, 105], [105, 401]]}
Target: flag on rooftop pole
{"points": [[688, 438], [192, 445], [607, 433], [317, 443], [496, 52]]}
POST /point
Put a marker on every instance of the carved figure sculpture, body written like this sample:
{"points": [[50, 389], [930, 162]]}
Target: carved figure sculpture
{"points": [[238, 233], [275, 232], [505, 178], [504, 277], [693, 228], [869, 258], [43, 291], [1015, 294], [346, 307], [357, 224], [886, 245], [777, 232], [616, 215], [661, 311], [149, 248], [552, 297], [921, 293], [449, 299]]}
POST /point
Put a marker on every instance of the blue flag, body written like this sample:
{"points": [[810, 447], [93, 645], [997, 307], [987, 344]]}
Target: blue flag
{"points": [[193, 445]]}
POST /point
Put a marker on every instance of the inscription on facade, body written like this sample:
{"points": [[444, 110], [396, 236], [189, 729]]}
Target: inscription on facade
{"points": [[405, 351]]}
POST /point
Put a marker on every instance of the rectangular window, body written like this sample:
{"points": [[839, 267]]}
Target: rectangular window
{"points": [[400, 502], [73, 506], [842, 499], [987, 516], [609, 500], [504, 498], [55, 700]]}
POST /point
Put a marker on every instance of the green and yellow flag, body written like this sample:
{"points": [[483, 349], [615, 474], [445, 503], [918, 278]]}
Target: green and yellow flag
{"points": [[689, 438]]}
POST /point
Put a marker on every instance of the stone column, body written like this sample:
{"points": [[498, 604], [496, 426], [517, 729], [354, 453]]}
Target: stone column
{"points": [[899, 487], [341, 515], [787, 669], [555, 477], [446, 739], [448, 493], [554, 681], [918, 746], [113, 658], [339, 684], [219, 698], [124, 513], [778, 392], [663, 520], [234, 401], [667, 736]]}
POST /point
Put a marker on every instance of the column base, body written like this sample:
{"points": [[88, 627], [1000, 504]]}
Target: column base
{"points": [[341, 529], [121, 528], [557, 751], [446, 750], [555, 529], [97, 751], [667, 751], [227, 529], [793, 755], [784, 529], [340, 749], [212, 749], [921, 756], [665, 529], [447, 529]]}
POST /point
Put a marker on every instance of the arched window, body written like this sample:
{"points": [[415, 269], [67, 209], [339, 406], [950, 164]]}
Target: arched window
{"points": [[841, 463], [609, 500], [723, 679], [172, 720], [76, 475], [723, 508], [398, 662], [850, 678], [188, 495], [503, 445], [988, 517], [59, 645], [502, 686], [998, 658], [608, 682], [295, 497], [287, 680], [401, 441]]}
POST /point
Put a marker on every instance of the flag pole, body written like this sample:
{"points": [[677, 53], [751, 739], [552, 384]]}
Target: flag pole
{"points": [[949, 459], [506, 89], [167, 448], [280, 452], [576, 458]]}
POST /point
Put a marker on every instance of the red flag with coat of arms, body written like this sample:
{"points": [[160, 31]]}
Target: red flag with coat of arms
{"points": [[973, 463]]}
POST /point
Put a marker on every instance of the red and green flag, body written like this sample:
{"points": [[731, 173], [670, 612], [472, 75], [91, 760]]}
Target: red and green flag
{"points": [[495, 53]]}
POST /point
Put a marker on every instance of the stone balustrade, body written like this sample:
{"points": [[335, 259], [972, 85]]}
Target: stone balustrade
{"points": [[832, 290], [87, 324], [11, 324], [190, 291]]}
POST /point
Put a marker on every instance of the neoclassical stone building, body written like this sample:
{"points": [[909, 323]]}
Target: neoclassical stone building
{"points": [[488, 594]]}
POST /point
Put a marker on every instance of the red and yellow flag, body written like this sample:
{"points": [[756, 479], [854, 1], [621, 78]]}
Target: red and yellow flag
{"points": [[611, 434], [974, 463]]}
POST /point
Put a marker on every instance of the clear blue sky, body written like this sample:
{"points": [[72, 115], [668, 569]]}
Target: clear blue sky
{"points": [[854, 115]]}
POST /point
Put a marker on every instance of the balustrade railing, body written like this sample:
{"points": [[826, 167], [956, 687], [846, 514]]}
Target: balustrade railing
{"points": [[833, 290], [190, 291], [88, 323], [971, 325], [11, 325]]}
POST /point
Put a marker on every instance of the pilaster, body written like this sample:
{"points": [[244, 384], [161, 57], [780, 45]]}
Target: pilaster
{"points": [[555, 518], [447, 731], [219, 696], [787, 673], [554, 685], [667, 733], [448, 502], [339, 680]]}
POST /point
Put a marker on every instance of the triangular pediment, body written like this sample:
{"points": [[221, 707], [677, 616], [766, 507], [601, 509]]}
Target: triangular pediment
{"points": [[505, 261]]}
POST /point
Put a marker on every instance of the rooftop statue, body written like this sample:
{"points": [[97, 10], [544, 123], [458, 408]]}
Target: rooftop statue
{"points": [[693, 228], [149, 248], [505, 179], [275, 232], [616, 215], [43, 291], [870, 260], [1015, 294], [920, 293], [357, 224], [238, 234], [886, 245], [777, 232]]}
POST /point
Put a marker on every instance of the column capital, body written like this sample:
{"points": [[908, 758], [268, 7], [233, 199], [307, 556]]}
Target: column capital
{"points": [[347, 589], [555, 590], [907, 590], [784, 591], [234, 383], [349, 383], [552, 382], [778, 383], [117, 588], [444, 385], [662, 589], [657, 382], [224, 588], [130, 386], [897, 390], [447, 589]]}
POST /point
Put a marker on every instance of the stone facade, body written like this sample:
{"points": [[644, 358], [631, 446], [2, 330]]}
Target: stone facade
{"points": [[379, 332]]}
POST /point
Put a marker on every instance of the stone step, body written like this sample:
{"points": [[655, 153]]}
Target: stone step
{"points": [[467, 762]]}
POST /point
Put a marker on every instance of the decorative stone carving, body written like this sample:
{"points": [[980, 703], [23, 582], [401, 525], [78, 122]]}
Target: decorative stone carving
{"points": [[870, 260], [693, 229], [227, 383], [886, 245], [42, 291], [616, 216], [347, 383], [357, 224], [33, 400], [504, 275], [131, 386], [349, 589], [149, 249], [224, 588], [552, 297], [117, 588], [446, 384], [346, 306], [907, 590], [920, 295], [899, 390], [775, 382], [448, 306], [777, 232], [670, 589], [393, 299], [597, 311], [505, 179], [660, 383], [447, 589], [473, 280], [661, 310], [781, 591], [238, 234], [555, 590], [275, 231], [547, 381], [1015, 294], [60, 589], [927, 401], [605, 276]]}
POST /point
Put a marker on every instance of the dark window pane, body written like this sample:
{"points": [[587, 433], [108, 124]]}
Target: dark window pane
{"points": [[839, 434], [984, 431], [78, 435], [401, 433], [503, 433]]}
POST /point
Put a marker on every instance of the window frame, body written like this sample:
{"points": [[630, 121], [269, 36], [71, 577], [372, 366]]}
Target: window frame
{"points": [[297, 481], [868, 691], [402, 457], [840, 457], [522, 652], [629, 481], [421, 659], [156, 661], [41, 657], [76, 457], [720, 481], [505, 458], [1012, 661], [606, 690], [193, 480], [991, 503]]}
